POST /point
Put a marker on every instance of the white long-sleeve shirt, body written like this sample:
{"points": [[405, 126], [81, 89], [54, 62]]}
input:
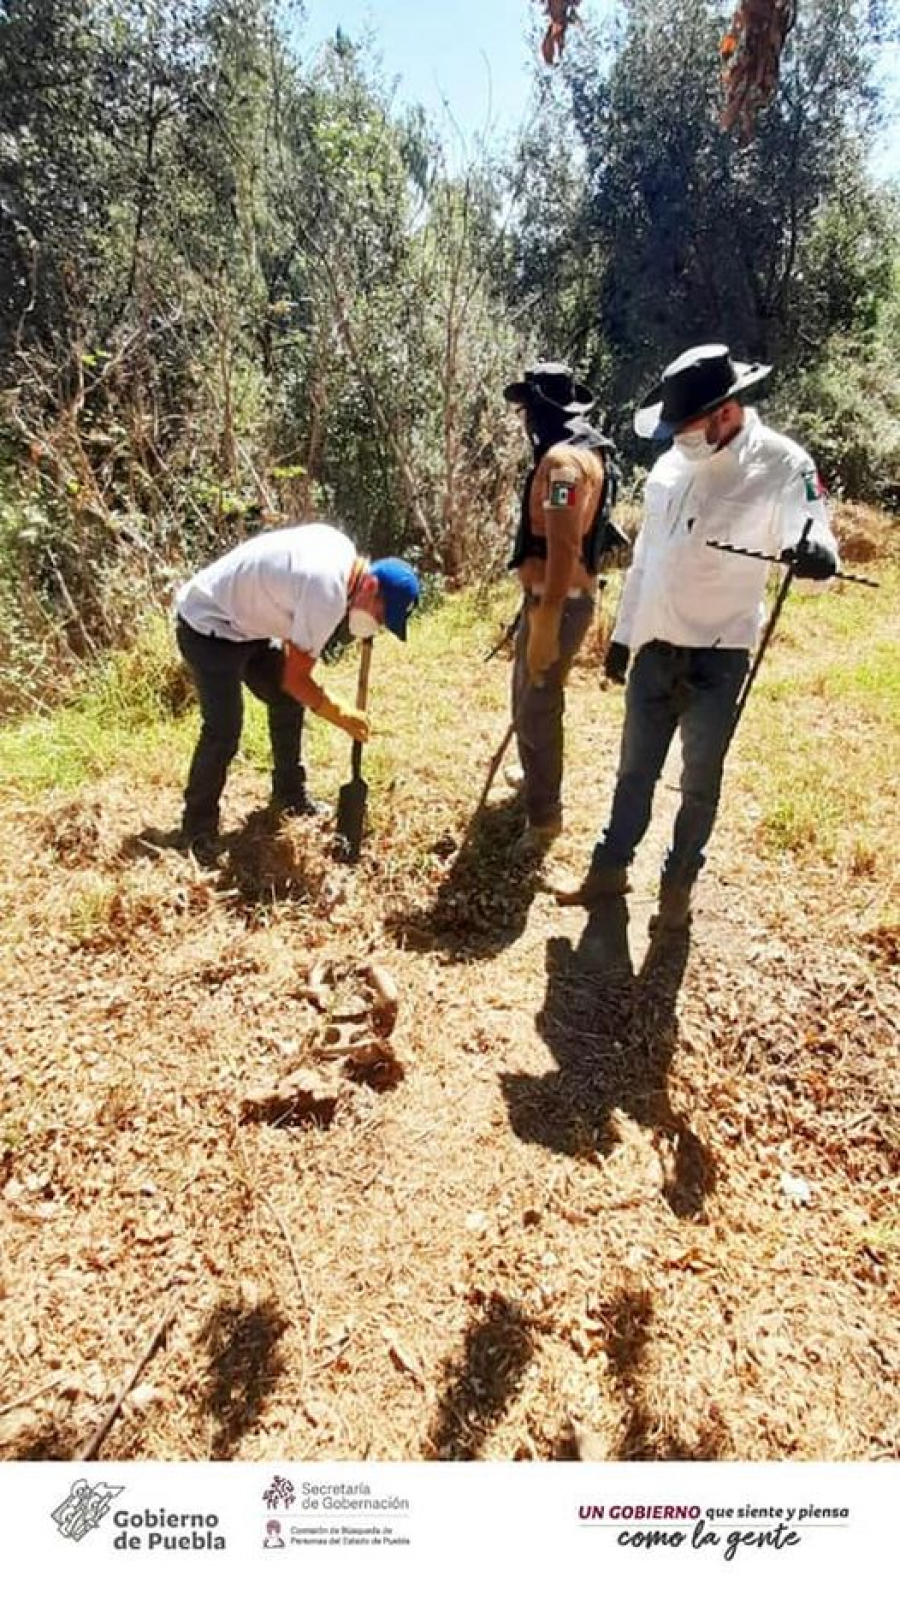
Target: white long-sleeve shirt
{"points": [[758, 492], [288, 584]]}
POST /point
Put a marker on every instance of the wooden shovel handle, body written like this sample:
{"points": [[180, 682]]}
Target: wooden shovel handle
{"points": [[362, 685], [362, 695]]}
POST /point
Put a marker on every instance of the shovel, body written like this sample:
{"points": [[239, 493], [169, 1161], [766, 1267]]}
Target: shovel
{"points": [[351, 812], [493, 769]]}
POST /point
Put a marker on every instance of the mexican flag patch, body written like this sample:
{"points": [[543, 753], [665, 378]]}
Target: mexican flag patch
{"points": [[562, 494], [812, 483]]}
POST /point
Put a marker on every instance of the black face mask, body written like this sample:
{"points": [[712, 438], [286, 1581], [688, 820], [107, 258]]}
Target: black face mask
{"points": [[547, 424]]}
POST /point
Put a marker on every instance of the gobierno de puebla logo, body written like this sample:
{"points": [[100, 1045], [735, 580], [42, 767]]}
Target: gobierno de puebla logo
{"points": [[86, 1505], [167, 1530]]}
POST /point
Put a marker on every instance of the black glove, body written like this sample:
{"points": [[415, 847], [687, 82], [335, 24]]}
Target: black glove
{"points": [[814, 560], [615, 666]]}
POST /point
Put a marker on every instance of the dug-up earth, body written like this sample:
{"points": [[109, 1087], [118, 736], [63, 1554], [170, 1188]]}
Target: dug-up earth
{"points": [[401, 1161]]}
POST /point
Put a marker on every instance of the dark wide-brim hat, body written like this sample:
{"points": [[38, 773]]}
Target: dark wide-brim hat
{"points": [[553, 384], [696, 382]]}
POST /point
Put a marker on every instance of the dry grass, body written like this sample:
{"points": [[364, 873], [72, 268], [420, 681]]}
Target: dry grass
{"points": [[648, 1199], [865, 534]]}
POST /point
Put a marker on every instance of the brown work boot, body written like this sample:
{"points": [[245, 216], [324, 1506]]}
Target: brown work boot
{"points": [[674, 907], [601, 883]]}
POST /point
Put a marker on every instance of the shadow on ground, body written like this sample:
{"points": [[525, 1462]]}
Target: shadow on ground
{"points": [[48, 1441], [268, 857], [482, 904], [627, 1320], [612, 1034], [245, 1364], [499, 1347]]}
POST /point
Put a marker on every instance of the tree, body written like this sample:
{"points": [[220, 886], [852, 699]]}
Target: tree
{"points": [[233, 283], [701, 237]]}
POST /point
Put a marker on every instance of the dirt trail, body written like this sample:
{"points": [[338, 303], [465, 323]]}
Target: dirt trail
{"points": [[652, 1203]]}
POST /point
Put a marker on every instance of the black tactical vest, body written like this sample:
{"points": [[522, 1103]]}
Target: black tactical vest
{"points": [[603, 535]]}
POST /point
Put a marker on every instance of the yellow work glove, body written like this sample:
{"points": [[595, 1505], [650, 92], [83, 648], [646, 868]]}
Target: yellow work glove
{"points": [[352, 722], [542, 647]]}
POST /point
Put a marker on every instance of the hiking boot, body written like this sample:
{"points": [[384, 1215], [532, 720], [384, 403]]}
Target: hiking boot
{"points": [[601, 883], [674, 907], [536, 838]]}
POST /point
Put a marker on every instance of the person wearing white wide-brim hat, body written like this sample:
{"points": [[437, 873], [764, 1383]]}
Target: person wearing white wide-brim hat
{"points": [[690, 614]]}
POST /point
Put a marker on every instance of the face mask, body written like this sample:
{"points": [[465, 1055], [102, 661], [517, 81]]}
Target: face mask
{"points": [[362, 624], [695, 446], [545, 424]]}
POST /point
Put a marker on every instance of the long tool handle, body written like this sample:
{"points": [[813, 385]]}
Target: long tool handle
{"points": [[757, 555], [496, 759], [508, 633], [492, 771], [783, 592], [362, 696]]}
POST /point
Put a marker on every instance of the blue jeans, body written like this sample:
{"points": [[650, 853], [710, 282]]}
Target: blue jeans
{"points": [[672, 687]]}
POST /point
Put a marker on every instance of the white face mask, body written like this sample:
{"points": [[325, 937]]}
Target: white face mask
{"points": [[362, 624], [694, 446]]}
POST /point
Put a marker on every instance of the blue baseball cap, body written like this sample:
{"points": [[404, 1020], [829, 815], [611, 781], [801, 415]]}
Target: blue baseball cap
{"points": [[399, 589]]}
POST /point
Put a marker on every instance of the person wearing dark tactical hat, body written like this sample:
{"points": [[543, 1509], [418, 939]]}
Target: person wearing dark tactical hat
{"points": [[563, 532], [690, 614], [262, 615]]}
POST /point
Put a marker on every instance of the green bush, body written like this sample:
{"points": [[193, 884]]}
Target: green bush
{"points": [[846, 411]]}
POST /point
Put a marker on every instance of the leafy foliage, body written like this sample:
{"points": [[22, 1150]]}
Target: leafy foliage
{"points": [[233, 286], [677, 231], [238, 287]]}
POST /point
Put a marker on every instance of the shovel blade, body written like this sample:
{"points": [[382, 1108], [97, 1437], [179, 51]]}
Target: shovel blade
{"points": [[351, 815]]}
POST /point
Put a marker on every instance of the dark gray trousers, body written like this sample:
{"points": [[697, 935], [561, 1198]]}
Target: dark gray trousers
{"points": [[537, 710], [669, 688], [220, 668]]}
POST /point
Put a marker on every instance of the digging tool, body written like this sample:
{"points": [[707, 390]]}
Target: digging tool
{"points": [[508, 633], [351, 812], [505, 742], [494, 768], [756, 555], [768, 631], [492, 771]]}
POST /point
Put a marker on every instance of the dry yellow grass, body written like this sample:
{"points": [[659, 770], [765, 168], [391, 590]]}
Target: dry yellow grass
{"points": [[654, 1201]]}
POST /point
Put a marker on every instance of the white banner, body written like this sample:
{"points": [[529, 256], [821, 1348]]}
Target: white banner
{"points": [[144, 1529]]}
